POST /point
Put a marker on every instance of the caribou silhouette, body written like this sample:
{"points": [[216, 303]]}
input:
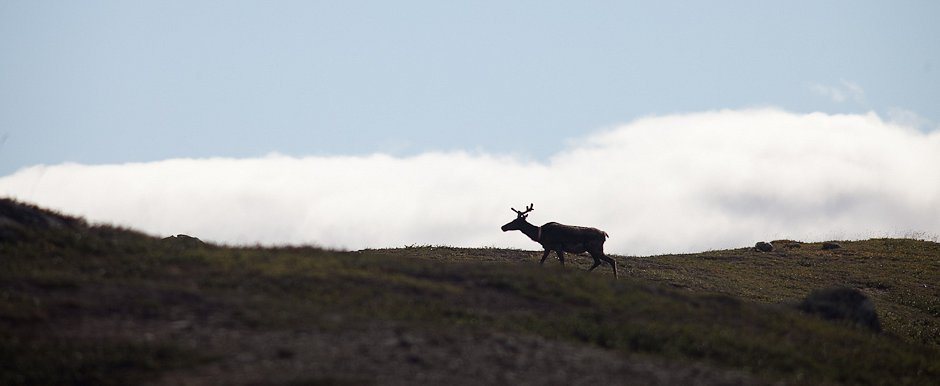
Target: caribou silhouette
{"points": [[563, 238]]}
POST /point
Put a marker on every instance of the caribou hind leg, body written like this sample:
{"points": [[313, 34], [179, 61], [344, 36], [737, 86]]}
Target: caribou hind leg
{"points": [[612, 262], [599, 255], [597, 262]]}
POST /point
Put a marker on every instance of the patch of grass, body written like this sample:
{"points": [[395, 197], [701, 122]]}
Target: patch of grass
{"points": [[43, 360], [898, 276], [331, 381]]}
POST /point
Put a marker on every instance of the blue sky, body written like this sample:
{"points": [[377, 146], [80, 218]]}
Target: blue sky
{"points": [[144, 112], [117, 81]]}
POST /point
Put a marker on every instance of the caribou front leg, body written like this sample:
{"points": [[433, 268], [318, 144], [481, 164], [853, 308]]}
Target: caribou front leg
{"points": [[561, 256], [544, 255]]}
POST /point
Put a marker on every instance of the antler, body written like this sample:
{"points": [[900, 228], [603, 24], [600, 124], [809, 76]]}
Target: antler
{"points": [[522, 214]]}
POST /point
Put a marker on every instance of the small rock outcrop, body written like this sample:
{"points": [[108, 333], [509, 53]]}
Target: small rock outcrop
{"points": [[842, 304], [829, 245], [764, 246], [183, 241]]}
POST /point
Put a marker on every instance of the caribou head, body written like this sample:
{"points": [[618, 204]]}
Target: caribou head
{"points": [[519, 223]]}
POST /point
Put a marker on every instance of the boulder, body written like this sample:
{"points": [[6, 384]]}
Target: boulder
{"points": [[842, 304], [764, 246], [184, 241]]}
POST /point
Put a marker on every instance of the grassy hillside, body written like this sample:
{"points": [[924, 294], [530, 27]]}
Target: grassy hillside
{"points": [[84, 304]]}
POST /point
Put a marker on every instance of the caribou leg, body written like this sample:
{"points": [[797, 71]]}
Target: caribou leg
{"points": [[561, 256], [544, 255], [596, 264], [612, 262], [598, 256]]}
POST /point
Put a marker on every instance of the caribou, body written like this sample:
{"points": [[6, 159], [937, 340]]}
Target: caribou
{"points": [[563, 238]]}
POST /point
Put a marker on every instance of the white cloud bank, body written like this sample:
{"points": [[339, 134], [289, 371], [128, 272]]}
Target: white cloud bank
{"points": [[664, 184]]}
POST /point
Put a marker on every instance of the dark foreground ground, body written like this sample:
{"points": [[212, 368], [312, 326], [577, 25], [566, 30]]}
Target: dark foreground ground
{"points": [[84, 304]]}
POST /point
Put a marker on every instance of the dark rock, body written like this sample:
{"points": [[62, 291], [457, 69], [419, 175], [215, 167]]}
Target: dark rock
{"points": [[764, 246], [842, 304], [185, 241], [830, 245]]}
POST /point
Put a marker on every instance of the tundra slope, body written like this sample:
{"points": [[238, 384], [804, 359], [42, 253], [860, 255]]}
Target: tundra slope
{"points": [[100, 305]]}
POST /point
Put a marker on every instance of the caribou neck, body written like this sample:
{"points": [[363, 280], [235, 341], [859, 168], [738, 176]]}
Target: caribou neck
{"points": [[534, 232]]}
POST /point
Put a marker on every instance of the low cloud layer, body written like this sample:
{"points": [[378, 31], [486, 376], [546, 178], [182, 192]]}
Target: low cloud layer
{"points": [[674, 183]]}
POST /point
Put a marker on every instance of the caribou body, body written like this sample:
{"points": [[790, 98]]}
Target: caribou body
{"points": [[563, 238]]}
